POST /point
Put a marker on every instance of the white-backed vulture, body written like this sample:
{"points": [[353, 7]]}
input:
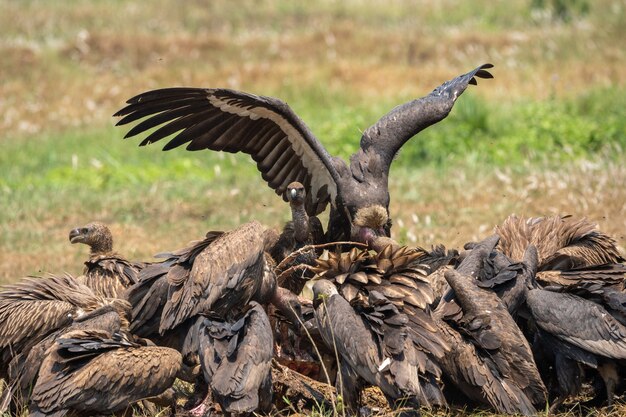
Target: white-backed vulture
{"points": [[24, 367], [572, 332], [395, 275], [284, 148], [500, 365], [236, 354], [372, 341], [562, 242], [96, 372], [106, 272], [35, 307]]}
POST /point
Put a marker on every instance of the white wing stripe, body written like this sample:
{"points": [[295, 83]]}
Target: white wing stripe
{"points": [[319, 172]]}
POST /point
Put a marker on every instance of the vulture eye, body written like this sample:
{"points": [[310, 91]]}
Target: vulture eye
{"points": [[84, 231]]}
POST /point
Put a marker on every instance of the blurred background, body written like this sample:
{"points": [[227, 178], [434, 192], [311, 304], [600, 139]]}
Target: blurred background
{"points": [[546, 136]]}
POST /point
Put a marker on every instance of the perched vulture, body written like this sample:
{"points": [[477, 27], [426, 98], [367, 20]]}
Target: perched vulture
{"points": [[97, 372], [297, 234], [372, 342], [106, 272], [572, 332], [502, 355], [285, 150], [236, 354], [35, 307]]}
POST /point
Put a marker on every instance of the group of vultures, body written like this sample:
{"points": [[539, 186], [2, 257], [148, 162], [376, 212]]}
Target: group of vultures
{"points": [[255, 320]]}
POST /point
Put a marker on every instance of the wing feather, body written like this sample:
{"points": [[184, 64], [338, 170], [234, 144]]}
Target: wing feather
{"points": [[580, 322], [234, 121], [225, 272]]}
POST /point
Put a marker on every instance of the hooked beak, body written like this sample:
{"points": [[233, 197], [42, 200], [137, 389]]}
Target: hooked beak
{"points": [[292, 193], [74, 235]]}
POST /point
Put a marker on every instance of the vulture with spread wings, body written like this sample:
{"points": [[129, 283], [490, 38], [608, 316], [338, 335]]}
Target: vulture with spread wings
{"points": [[285, 150]]}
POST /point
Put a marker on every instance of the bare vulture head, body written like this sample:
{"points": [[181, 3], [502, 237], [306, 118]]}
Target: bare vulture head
{"points": [[96, 235], [323, 289], [285, 150], [296, 193]]}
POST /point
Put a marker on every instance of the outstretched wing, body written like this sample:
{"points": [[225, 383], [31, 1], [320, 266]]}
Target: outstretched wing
{"points": [[266, 128], [394, 129]]}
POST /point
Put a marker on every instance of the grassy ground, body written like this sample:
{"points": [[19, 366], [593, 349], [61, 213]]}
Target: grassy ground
{"points": [[547, 135]]}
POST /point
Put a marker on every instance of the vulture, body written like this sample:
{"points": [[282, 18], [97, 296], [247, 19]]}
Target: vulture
{"points": [[562, 242], [236, 354], [98, 372], [212, 276], [297, 235], [574, 333], [285, 150], [373, 345], [35, 307], [395, 275], [107, 272], [500, 367], [24, 367], [229, 272], [302, 230], [149, 295]]}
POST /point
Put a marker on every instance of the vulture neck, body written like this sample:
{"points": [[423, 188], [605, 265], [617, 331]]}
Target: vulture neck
{"points": [[101, 246], [300, 222], [394, 129]]}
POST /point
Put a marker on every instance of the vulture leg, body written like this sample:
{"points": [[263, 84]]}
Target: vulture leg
{"points": [[349, 386], [166, 399], [266, 397], [569, 376], [206, 406], [608, 372]]}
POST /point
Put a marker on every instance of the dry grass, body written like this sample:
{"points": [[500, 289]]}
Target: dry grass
{"points": [[68, 64], [428, 207]]}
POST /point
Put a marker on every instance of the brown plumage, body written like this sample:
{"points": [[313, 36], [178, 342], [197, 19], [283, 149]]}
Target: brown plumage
{"points": [[24, 368], [236, 354], [476, 377], [93, 371], [574, 333], [562, 242], [403, 282], [501, 353], [35, 307], [149, 295], [372, 341], [229, 272], [284, 148], [106, 272], [301, 231]]}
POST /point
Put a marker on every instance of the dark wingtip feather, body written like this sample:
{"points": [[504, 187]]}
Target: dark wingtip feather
{"points": [[483, 74]]}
